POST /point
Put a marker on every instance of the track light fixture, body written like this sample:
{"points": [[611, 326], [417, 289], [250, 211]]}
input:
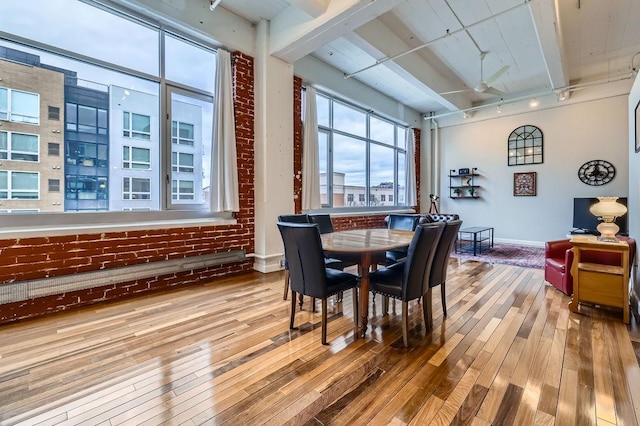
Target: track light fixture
{"points": [[213, 4]]}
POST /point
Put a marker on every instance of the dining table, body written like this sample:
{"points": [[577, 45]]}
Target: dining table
{"points": [[368, 244]]}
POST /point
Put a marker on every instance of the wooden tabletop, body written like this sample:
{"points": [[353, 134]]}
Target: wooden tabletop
{"points": [[366, 240], [591, 241]]}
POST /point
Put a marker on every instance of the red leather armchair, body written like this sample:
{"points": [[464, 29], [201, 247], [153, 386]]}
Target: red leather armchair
{"points": [[558, 258]]}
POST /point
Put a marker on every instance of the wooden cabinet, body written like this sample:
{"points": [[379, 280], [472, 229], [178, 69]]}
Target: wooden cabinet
{"points": [[463, 185], [599, 284]]}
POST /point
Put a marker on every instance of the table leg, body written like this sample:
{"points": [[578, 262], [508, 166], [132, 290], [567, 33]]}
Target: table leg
{"points": [[364, 292], [475, 242]]}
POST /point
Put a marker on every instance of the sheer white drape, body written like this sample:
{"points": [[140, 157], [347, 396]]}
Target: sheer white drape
{"points": [[411, 196], [310, 166], [224, 167]]}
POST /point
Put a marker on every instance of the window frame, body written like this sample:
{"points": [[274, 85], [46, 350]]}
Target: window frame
{"points": [[9, 189], [131, 161], [9, 151], [397, 146], [9, 111], [131, 133], [167, 211]]}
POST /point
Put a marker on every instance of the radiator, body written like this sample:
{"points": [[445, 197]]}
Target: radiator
{"points": [[25, 290]]}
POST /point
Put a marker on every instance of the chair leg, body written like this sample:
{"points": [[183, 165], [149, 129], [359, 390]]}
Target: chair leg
{"points": [[426, 310], [356, 306], [405, 323], [443, 293], [286, 284], [313, 304], [300, 299], [293, 308], [324, 321]]}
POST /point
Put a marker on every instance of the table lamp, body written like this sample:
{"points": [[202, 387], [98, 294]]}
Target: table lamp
{"points": [[607, 209]]}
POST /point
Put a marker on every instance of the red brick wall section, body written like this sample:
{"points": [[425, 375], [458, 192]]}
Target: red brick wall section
{"points": [[297, 144], [34, 258], [344, 223]]}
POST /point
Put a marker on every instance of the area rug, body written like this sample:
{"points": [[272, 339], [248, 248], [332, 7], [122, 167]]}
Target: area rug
{"points": [[510, 254]]}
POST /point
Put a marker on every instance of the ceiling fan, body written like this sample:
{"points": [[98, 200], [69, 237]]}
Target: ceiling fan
{"points": [[483, 86]]}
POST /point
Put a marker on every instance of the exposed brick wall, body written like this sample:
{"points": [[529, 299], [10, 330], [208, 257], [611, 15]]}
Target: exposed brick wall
{"points": [[34, 258], [358, 222]]}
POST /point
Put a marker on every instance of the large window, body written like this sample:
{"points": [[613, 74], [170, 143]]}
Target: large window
{"points": [[360, 153], [19, 146], [136, 189], [135, 109], [19, 185], [19, 106], [86, 119], [136, 126], [136, 158]]}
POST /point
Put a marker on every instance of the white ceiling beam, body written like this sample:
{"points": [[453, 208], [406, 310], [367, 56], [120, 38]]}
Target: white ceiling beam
{"points": [[314, 8], [293, 35], [546, 22], [379, 41]]}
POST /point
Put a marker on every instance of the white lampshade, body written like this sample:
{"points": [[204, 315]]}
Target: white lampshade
{"points": [[607, 209]]}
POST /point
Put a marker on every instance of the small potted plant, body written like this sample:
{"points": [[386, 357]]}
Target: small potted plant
{"points": [[471, 191], [457, 191]]}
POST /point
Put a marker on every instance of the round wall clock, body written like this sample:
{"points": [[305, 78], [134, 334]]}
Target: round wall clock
{"points": [[596, 172]]}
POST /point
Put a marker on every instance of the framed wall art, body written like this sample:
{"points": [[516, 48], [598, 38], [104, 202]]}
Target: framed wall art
{"points": [[525, 146], [524, 184]]}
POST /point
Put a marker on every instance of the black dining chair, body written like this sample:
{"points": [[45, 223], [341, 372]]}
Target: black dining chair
{"points": [[326, 227], [403, 222], [438, 275], [408, 280], [330, 262], [308, 273]]}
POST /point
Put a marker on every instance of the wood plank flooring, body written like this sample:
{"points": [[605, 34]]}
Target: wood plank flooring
{"points": [[509, 352]]}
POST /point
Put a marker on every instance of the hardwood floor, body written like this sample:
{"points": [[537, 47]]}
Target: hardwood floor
{"points": [[509, 352]]}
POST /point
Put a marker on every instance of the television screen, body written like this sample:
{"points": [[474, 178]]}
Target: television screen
{"points": [[585, 223]]}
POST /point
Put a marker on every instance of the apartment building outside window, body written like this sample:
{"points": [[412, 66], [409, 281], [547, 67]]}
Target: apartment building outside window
{"points": [[360, 152], [136, 123]]}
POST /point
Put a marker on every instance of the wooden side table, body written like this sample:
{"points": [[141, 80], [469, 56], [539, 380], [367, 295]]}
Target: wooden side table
{"points": [[600, 284]]}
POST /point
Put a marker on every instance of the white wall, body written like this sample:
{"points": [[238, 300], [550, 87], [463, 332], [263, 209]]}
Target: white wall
{"points": [[273, 181], [634, 183], [574, 133]]}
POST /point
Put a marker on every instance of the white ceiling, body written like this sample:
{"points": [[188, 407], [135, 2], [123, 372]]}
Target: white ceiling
{"points": [[545, 45]]}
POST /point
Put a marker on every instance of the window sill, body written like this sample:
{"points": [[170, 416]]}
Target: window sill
{"points": [[345, 212], [31, 231]]}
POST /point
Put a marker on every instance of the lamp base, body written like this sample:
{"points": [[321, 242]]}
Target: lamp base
{"points": [[604, 239], [608, 231]]}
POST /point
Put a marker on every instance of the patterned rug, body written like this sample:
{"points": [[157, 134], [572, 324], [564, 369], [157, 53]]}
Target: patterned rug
{"points": [[526, 256]]}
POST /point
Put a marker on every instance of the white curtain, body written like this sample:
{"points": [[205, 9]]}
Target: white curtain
{"points": [[310, 166], [224, 167], [411, 196]]}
